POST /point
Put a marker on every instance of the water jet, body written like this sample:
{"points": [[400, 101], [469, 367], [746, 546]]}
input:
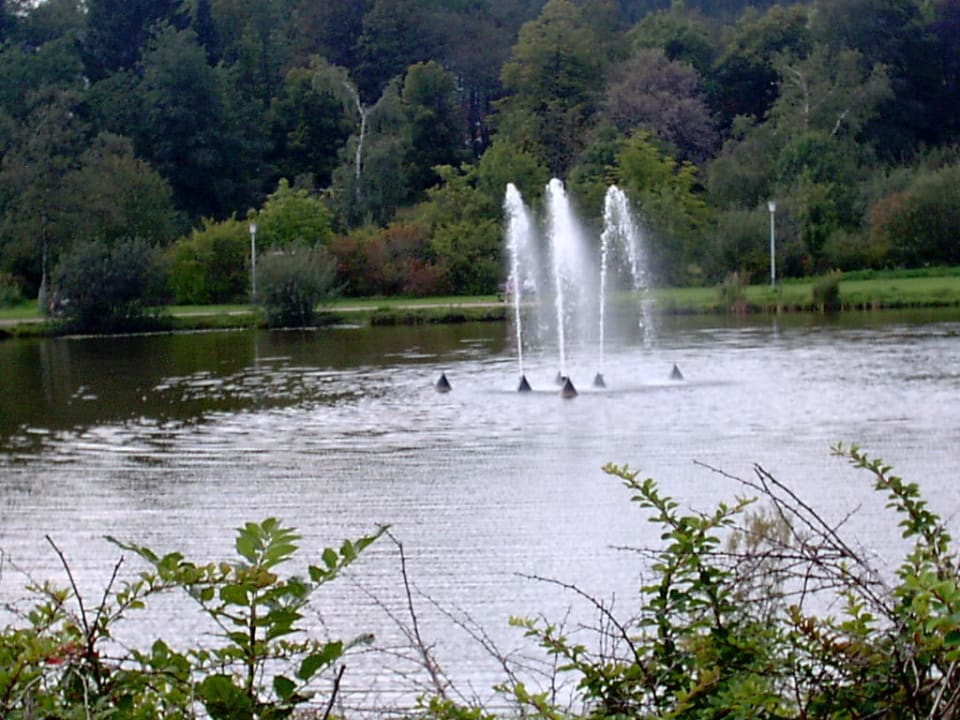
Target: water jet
{"points": [[558, 301]]}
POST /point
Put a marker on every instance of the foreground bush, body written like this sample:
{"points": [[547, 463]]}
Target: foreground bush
{"points": [[747, 611], [732, 624], [56, 664]]}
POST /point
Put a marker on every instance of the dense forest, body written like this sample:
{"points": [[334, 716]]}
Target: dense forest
{"points": [[386, 131]]}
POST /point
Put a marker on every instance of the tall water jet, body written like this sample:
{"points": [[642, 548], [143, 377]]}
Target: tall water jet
{"points": [[520, 251], [620, 233], [569, 264]]}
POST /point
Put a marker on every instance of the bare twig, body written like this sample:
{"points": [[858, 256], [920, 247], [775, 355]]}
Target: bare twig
{"points": [[426, 656], [73, 584], [333, 692]]}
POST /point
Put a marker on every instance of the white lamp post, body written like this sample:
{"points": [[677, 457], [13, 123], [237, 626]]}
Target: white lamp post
{"points": [[772, 206], [253, 260]]}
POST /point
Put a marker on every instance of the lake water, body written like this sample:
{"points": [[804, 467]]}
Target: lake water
{"points": [[172, 441]]}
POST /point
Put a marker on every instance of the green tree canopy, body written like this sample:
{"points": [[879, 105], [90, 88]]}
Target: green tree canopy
{"points": [[292, 215], [554, 77], [119, 30]]}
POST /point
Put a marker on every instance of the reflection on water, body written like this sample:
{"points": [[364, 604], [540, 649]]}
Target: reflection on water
{"points": [[174, 440]]}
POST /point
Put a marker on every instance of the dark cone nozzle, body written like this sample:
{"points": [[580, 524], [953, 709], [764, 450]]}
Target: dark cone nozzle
{"points": [[524, 385], [675, 374], [598, 381], [443, 385], [568, 391]]}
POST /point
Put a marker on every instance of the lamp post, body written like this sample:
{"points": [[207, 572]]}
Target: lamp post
{"points": [[253, 261], [772, 206]]}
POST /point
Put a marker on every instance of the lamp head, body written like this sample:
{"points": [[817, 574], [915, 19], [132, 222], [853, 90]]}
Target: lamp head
{"points": [[253, 228], [772, 206]]}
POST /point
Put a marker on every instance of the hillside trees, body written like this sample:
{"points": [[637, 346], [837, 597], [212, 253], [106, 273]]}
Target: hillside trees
{"points": [[662, 96], [553, 80], [118, 30], [813, 104], [42, 152]]}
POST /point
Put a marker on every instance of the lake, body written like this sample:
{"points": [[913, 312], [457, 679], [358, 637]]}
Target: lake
{"points": [[174, 440]]}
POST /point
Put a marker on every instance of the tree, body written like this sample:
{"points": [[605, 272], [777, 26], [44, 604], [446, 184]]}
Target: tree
{"points": [[206, 29], [113, 195], [396, 260], [43, 153], [376, 178], [831, 92], [395, 36], [652, 93], [894, 34], [181, 121], [101, 287], [743, 175], [743, 80], [332, 29], [683, 36], [43, 54], [118, 31], [292, 215], [310, 124], [921, 225], [668, 197], [554, 77], [436, 126]]}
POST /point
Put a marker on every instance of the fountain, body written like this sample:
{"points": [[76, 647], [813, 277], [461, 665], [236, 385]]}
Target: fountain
{"points": [[575, 290], [620, 232], [520, 247]]}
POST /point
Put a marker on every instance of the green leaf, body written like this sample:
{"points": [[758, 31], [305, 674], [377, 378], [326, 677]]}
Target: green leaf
{"points": [[224, 700], [312, 663], [284, 687], [330, 558], [247, 547], [235, 594]]}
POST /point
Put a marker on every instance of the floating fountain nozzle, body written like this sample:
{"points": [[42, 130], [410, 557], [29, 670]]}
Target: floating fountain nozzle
{"points": [[675, 374], [524, 385], [598, 381], [443, 385], [568, 391]]}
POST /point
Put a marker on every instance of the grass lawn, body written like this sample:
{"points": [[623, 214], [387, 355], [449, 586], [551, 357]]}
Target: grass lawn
{"points": [[890, 290]]}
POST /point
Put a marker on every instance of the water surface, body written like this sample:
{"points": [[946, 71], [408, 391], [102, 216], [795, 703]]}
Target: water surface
{"points": [[173, 441]]}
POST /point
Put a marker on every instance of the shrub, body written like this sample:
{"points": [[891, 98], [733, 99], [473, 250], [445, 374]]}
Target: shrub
{"points": [[826, 292], [731, 621], [733, 292], [55, 662], [922, 223], [212, 265], [291, 283], [390, 261], [101, 288], [9, 290]]}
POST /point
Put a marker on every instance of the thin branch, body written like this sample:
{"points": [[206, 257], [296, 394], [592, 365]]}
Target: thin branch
{"points": [[73, 584], [421, 646], [333, 692], [106, 594]]}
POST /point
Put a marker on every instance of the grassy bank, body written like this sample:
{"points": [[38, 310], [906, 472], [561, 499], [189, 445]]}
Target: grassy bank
{"points": [[856, 291], [873, 293]]}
